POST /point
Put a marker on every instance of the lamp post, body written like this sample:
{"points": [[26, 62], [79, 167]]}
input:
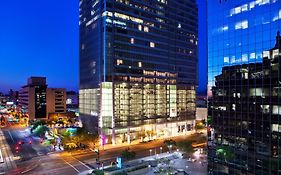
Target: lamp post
{"points": [[161, 150], [150, 152], [170, 147]]}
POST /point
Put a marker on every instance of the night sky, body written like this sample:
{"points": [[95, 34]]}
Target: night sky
{"points": [[40, 38]]}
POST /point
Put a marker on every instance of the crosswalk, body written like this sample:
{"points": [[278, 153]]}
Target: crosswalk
{"points": [[6, 156]]}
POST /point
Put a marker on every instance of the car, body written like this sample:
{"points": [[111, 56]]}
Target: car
{"points": [[20, 143]]}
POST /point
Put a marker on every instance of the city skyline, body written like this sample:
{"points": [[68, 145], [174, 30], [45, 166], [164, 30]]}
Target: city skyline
{"points": [[57, 57]]}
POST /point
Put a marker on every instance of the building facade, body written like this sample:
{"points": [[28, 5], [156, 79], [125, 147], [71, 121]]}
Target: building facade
{"points": [[38, 101], [243, 87], [72, 101], [56, 100], [138, 68]]}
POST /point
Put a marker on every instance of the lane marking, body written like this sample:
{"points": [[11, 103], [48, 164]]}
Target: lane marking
{"points": [[1, 157], [83, 163], [71, 166], [11, 136]]}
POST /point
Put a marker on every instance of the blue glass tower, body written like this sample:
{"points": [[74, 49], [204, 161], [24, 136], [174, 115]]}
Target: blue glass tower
{"points": [[243, 86], [138, 68]]}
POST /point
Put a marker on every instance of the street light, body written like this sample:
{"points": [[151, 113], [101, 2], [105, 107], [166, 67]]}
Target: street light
{"points": [[160, 150], [170, 147], [150, 152]]}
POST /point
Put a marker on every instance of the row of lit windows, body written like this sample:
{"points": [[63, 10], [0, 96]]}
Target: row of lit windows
{"points": [[244, 23], [250, 6]]}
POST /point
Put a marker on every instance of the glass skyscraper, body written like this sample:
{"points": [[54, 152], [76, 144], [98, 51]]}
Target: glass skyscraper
{"points": [[244, 124], [138, 68]]}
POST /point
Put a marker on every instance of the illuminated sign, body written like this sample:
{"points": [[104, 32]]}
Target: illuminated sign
{"points": [[10, 103], [69, 101], [119, 162]]}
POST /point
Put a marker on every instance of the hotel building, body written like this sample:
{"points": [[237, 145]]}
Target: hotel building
{"points": [[138, 68]]}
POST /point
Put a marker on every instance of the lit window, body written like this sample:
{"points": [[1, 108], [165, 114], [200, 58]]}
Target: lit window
{"points": [[226, 59], [275, 53], [233, 107], [132, 40], [244, 24], [126, 17], [244, 57], [241, 25], [232, 60], [252, 55], [119, 62], [224, 28], [266, 54], [244, 7], [145, 28], [140, 64], [237, 10], [276, 127], [252, 5], [152, 44], [140, 28]]}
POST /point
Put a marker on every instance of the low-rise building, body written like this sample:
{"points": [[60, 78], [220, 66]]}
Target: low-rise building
{"points": [[56, 100], [37, 101]]}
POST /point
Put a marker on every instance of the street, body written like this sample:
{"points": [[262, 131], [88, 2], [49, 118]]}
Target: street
{"points": [[74, 162], [32, 157]]}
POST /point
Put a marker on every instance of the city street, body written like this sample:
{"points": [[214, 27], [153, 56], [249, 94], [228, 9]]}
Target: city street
{"points": [[75, 162], [6, 155]]}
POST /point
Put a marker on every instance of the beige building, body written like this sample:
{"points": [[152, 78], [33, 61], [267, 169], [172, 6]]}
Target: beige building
{"points": [[38, 101], [56, 100], [201, 113]]}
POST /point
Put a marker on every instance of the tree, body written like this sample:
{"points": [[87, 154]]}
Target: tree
{"points": [[40, 130], [127, 154], [185, 146], [87, 138], [199, 126], [225, 152], [170, 143], [37, 123]]}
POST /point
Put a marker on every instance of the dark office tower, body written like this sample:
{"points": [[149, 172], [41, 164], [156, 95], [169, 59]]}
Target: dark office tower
{"points": [[244, 56], [32, 98], [138, 68]]}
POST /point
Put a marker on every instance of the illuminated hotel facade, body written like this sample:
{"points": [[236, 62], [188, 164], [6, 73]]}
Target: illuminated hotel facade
{"points": [[244, 125], [138, 68]]}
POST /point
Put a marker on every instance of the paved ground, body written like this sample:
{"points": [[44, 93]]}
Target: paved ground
{"points": [[7, 158], [171, 162], [38, 160], [196, 167], [74, 163]]}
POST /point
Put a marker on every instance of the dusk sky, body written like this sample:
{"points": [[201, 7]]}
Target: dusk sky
{"points": [[40, 38]]}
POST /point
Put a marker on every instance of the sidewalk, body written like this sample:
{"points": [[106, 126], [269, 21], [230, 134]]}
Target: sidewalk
{"points": [[126, 145], [6, 155], [136, 142]]}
